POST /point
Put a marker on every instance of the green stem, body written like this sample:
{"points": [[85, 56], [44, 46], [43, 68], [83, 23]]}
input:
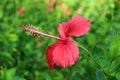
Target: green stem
{"points": [[90, 55]]}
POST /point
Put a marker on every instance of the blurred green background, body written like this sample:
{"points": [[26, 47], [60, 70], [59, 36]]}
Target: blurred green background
{"points": [[22, 57]]}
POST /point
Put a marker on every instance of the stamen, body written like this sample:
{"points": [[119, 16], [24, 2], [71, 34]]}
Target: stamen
{"points": [[34, 31]]}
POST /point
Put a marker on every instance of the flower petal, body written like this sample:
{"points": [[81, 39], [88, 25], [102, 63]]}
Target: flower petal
{"points": [[49, 55], [66, 53], [61, 29], [78, 26]]}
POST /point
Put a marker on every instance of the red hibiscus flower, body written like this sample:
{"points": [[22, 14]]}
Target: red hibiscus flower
{"points": [[65, 51]]}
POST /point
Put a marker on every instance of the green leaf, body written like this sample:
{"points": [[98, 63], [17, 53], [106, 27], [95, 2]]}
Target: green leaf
{"points": [[99, 73], [118, 76], [91, 39], [1, 13], [115, 46], [13, 37], [6, 55], [10, 74]]}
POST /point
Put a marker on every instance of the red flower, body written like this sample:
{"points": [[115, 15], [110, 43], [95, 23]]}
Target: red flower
{"points": [[65, 51]]}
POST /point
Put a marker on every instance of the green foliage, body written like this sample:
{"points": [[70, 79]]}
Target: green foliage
{"points": [[22, 57], [7, 74]]}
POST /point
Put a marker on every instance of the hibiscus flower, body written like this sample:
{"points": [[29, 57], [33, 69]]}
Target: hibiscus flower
{"points": [[65, 51]]}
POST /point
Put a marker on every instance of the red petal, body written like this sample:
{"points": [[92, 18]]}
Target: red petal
{"points": [[49, 55], [66, 53], [78, 26], [61, 29]]}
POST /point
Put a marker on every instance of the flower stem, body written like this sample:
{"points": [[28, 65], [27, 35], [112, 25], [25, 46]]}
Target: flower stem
{"points": [[91, 56]]}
